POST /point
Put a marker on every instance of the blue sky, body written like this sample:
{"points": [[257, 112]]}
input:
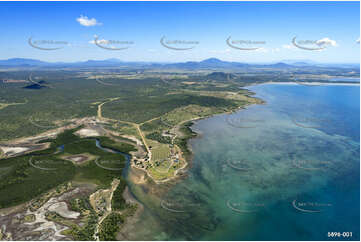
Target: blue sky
{"points": [[269, 26]]}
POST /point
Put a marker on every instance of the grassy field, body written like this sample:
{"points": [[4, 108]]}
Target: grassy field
{"points": [[123, 129], [160, 151]]}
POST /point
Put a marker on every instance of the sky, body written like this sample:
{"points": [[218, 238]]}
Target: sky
{"points": [[326, 32]]}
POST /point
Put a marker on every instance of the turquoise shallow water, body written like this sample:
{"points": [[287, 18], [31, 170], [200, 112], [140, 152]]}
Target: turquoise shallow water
{"points": [[286, 170]]}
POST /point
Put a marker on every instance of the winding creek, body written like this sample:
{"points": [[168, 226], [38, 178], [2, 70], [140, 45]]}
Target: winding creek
{"points": [[125, 155]]}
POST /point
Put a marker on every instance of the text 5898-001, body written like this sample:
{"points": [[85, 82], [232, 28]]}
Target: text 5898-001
{"points": [[339, 234]]}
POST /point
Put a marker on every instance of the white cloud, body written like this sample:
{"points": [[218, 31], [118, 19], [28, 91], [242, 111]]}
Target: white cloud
{"points": [[358, 41], [288, 46], [85, 21], [326, 41]]}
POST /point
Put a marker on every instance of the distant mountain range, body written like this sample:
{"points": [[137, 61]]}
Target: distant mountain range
{"points": [[213, 63]]}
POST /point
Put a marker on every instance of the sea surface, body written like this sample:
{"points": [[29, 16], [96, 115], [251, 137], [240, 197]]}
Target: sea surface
{"points": [[285, 170]]}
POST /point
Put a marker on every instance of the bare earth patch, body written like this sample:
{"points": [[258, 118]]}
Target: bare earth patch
{"points": [[54, 204], [86, 132], [62, 209], [13, 150], [79, 158]]}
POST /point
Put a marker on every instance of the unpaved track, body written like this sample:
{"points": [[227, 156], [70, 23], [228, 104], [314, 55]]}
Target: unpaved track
{"points": [[141, 134], [114, 186], [137, 126], [100, 106]]}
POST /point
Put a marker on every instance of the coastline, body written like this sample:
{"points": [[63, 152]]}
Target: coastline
{"points": [[140, 177], [196, 134], [313, 83], [125, 229], [179, 173], [133, 174], [188, 183]]}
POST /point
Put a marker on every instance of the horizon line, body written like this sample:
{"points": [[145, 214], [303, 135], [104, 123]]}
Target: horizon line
{"points": [[167, 62]]}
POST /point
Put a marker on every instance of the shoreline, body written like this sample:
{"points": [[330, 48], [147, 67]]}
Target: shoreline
{"points": [[136, 179], [179, 173], [199, 134], [311, 83], [126, 228], [189, 157], [194, 135]]}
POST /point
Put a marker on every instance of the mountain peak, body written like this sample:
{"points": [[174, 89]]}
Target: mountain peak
{"points": [[212, 60]]}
